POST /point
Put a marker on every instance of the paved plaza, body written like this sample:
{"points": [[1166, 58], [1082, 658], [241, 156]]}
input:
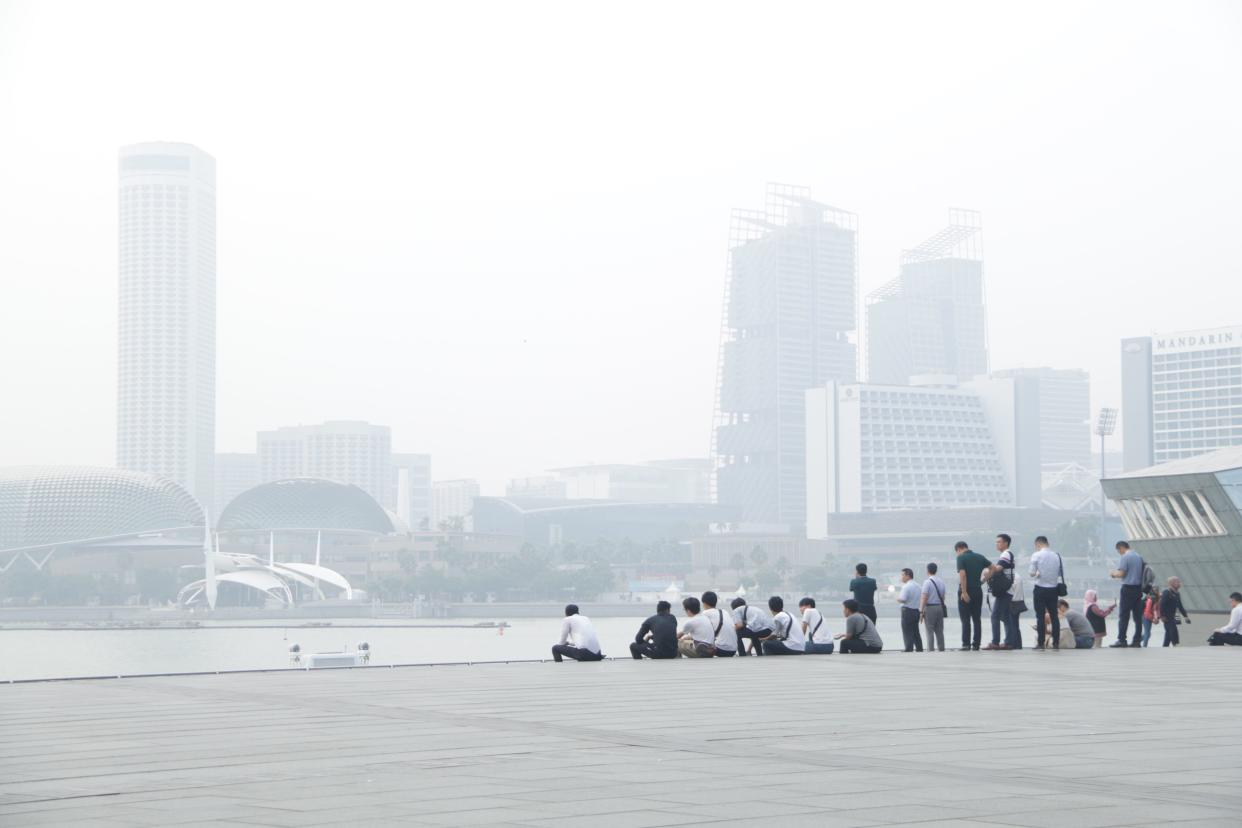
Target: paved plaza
{"points": [[1076, 739]]}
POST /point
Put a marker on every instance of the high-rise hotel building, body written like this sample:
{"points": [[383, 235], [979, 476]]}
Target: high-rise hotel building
{"points": [[1181, 395], [166, 390]]}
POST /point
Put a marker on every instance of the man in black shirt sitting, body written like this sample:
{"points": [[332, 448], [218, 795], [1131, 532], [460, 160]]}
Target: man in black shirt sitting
{"points": [[657, 637]]}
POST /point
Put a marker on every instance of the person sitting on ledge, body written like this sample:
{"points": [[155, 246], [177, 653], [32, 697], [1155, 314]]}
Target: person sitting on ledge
{"points": [[577, 629], [1231, 633], [860, 634], [750, 622], [722, 625], [657, 637], [786, 637], [817, 640], [697, 639]]}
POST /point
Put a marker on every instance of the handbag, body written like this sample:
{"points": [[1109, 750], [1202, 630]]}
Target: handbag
{"points": [[1017, 606], [1062, 587]]}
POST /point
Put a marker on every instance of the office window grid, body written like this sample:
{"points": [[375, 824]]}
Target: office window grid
{"points": [[1196, 402]]}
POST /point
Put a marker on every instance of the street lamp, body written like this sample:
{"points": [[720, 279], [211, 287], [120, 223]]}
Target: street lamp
{"points": [[1105, 425]]}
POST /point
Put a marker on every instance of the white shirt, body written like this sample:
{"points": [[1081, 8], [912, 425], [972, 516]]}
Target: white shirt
{"points": [[1046, 568], [786, 625], [1014, 589], [911, 593], [752, 617], [727, 639], [935, 591], [813, 618], [700, 629], [578, 630], [1235, 621]]}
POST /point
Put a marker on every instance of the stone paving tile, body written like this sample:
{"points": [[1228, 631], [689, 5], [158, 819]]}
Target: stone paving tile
{"points": [[492, 745]]}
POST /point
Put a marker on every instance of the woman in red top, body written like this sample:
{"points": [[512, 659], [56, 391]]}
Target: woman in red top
{"points": [[1151, 614]]}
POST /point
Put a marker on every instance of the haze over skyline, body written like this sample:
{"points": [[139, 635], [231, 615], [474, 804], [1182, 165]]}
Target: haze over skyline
{"points": [[520, 270]]}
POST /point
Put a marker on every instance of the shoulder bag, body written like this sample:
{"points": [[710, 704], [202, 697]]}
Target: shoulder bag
{"points": [[1062, 587]]}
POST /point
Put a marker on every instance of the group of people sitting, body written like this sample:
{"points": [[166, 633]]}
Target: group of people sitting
{"points": [[710, 632]]}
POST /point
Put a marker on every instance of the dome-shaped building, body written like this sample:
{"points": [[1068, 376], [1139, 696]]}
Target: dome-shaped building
{"points": [[52, 506], [305, 503]]}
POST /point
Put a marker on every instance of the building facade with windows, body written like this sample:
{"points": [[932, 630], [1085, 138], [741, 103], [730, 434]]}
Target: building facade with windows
{"points": [[235, 473], [343, 451], [789, 324], [1185, 518], [1064, 396], [1181, 395], [166, 326], [452, 500], [412, 489], [874, 448]]}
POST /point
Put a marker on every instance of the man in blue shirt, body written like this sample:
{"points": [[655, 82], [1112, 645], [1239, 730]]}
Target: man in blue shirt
{"points": [[1130, 571]]}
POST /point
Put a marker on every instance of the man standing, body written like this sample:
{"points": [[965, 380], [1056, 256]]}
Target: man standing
{"points": [[657, 637], [933, 608], [726, 633], [1000, 584], [970, 566], [578, 630], [1046, 571], [1170, 606], [864, 591], [1130, 571], [1231, 633], [697, 639], [860, 634], [1079, 626], [911, 596], [787, 637], [750, 622], [813, 628]]}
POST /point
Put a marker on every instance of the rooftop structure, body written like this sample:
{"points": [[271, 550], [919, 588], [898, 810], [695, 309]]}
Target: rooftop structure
{"points": [[307, 504]]}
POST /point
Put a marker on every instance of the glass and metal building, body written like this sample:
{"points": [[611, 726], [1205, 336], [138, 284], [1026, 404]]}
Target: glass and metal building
{"points": [[788, 325], [166, 391], [1185, 518], [931, 318], [1181, 395], [45, 507], [873, 448], [345, 451]]}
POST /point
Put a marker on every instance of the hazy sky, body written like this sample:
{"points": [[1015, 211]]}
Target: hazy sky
{"points": [[501, 228]]}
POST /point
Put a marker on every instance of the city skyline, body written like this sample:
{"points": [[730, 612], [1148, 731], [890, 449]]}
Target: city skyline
{"points": [[444, 285]]}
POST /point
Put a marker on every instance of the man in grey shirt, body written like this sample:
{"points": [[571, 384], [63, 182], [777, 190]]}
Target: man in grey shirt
{"points": [[1130, 571], [860, 634], [1079, 626]]}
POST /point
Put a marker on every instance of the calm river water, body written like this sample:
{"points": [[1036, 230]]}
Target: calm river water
{"points": [[63, 653]]}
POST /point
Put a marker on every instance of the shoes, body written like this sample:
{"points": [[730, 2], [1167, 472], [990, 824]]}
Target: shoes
{"points": [[1039, 647], [1056, 646], [975, 648], [1004, 647], [1117, 644], [992, 647]]}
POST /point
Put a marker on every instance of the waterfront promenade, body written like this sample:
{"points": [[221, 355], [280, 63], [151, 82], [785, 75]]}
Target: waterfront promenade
{"points": [[1075, 739]]}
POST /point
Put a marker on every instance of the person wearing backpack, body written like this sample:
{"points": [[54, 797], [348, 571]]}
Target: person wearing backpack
{"points": [[726, 633], [1130, 569], [999, 577], [817, 640]]}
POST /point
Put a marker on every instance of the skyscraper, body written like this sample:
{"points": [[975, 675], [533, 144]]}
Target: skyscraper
{"points": [[1064, 399], [344, 451], [412, 488], [789, 321], [1181, 395], [166, 390], [930, 319]]}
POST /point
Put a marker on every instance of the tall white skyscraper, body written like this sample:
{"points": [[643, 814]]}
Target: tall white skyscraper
{"points": [[166, 389], [344, 451]]}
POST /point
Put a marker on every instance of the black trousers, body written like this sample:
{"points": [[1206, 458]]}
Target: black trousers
{"points": [[971, 613], [773, 647], [910, 630], [1171, 636], [755, 636], [576, 653], [647, 649], [1131, 608], [856, 645], [1000, 618], [1046, 602], [868, 610], [1220, 639], [724, 653]]}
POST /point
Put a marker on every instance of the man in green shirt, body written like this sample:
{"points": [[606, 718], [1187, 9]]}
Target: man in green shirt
{"points": [[864, 588], [970, 566]]}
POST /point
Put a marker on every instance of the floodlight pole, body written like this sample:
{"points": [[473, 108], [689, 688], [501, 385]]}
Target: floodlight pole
{"points": [[1105, 422]]}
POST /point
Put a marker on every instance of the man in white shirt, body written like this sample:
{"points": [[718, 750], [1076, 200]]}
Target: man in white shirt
{"points": [[722, 626], [932, 608], [578, 639], [787, 637], [1047, 569], [911, 599], [818, 639], [750, 622], [1231, 633], [697, 639]]}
